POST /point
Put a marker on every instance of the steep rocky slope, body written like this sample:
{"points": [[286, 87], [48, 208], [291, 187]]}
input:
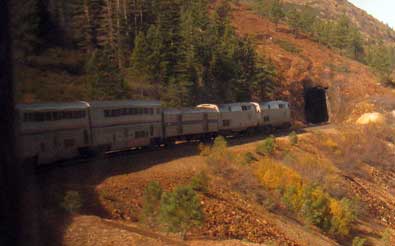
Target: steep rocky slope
{"points": [[304, 63], [372, 28]]}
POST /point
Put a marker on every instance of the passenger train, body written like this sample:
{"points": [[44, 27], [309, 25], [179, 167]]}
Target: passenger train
{"points": [[57, 131]]}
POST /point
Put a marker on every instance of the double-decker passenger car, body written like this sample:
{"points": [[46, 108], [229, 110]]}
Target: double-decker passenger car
{"points": [[120, 125], [49, 132], [190, 124], [236, 117]]}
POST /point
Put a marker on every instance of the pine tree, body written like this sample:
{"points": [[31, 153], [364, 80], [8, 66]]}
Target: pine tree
{"points": [[276, 13], [308, 18], [25, 24], [294, 20], [104, 78]]}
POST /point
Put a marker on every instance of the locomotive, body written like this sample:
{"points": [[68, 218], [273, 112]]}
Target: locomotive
{"points": [[50, 132]]}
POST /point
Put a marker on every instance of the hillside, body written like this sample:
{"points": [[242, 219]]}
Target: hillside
{"points": [[304, 63], [372, 28]]}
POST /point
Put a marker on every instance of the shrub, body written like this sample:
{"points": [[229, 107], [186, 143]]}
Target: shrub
{"points": [[331, 144], [293, 138], [200, 182], [275, 176], [315, 208], [218, 156], [180, 210], [267, 146], [204, 150], [386, 237], [249, 158], [72, 201], [152, 197], [343, 215], [358, 241], [310, 202]]}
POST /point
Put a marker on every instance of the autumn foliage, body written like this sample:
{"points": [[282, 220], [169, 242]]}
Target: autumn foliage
{"points": [[308, 201]]}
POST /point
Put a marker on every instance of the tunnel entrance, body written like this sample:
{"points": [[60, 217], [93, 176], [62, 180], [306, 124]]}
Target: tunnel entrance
{"points": [[316, 109]]}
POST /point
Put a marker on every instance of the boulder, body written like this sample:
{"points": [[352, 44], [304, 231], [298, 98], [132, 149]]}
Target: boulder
{"points": [[371, 118]]}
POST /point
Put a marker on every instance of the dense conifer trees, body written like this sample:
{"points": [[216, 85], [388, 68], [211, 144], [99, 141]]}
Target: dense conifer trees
{"points": [[173, 50]]}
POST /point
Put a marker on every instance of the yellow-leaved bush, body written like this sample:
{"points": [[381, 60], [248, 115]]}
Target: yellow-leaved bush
{"points": [[275, 176], [310, 202]]}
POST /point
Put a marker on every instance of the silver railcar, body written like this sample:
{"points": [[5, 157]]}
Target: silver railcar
{"points": [[120, 125], [190, 123], [49, 132], [235, 117]]}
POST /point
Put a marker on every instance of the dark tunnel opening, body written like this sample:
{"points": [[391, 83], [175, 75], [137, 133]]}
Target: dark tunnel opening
{"points": [[316, 109]]}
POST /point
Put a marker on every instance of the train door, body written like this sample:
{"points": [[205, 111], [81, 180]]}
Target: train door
{"points": [[46, 149], [179, 125], [67, 143], [205, 122]]}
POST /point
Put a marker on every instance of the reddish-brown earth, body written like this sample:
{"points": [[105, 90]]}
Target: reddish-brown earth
{"points": [[349, 82]]}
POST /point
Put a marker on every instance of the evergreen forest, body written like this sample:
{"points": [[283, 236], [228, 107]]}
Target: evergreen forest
{"points": [[182, 52]]}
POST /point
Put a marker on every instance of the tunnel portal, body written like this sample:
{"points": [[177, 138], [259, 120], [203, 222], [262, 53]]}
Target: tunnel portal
{"points": [[316, 109]]}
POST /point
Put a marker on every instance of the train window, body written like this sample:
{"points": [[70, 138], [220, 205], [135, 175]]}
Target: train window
{"points": [[266, 118], [158, 111], [141, 134], [106, 113], [86, 137], [42, 147], [268, 106], [67, 115], [48, 116], [140, 111], [151, 130], [226, 123], [151, 111], [130, 111], [281, 105], [56, 115], [28, 117], [76, 114], [145, 110], [69, 143], [39, 117]]}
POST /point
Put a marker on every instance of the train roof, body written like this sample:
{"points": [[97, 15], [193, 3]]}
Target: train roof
{"points": [[189, 110], [53, 106], [125, 103], [274, 102], [236, 104]]}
